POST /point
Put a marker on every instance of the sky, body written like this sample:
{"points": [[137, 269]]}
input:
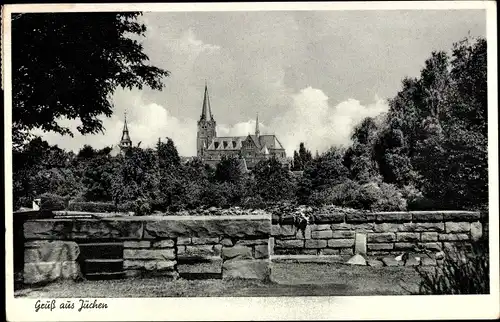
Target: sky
{"points": [[311, 76]]}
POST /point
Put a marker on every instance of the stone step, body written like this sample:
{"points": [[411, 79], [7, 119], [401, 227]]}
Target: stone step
{"points": [[310, 258], [102, 265], [105, 275], [101, 250]]}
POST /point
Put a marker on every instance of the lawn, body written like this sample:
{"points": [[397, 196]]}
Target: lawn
{"points": [[288, 279]]}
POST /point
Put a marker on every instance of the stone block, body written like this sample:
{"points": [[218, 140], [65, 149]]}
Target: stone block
{"points": [[387, 227], [237, 251], [343, 234], [141, 253], [261, 251], [453, 237], [252, 242], [315, 243], [413, 261], [391, 261], [320, 227], [241, 226], [149, 265], [321, 218], [51, 251], [271, 246], [136, 244], [360, 217], [346, 251], [340, 243], [133, 273], [380, 246], [361, 227], [208, 266], [329, 251], [287, 230], [48, 229], [44, 272], [404, 246], [461, 216], [429, 236], [360, 244], [476, 231], [292, 243], [115, 228], [246, 269], [184, 241], [381, 237], [204, 240], [166, 243], [226, 242], [198, 251], [431, 246], [457, 227], [407, 237], [375, 263], [423, 226], [321, 234], [393, 217], [427, 216]]}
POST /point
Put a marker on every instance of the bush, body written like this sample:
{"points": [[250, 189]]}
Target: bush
{"points": [[391, 199], [253, 203], [463, 272], [370, 196], [140, 207], [92, 206], [51, 201]]}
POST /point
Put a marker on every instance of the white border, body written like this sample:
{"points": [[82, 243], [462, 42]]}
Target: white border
{"points": [[270, 308]]}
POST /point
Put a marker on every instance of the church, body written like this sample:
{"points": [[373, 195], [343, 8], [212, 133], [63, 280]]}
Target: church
{"points": [[251, 148]]}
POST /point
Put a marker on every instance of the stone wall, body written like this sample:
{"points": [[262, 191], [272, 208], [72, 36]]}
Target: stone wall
{"points": [[170, 246], [346, 233]]}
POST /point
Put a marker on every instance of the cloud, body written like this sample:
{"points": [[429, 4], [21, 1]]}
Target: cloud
{"points": [[312, 120]]}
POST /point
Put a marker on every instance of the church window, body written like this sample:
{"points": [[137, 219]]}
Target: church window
{"points": [[216, 144]]}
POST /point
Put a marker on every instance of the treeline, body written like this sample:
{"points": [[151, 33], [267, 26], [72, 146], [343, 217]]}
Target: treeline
{"points": [[429, 151]]}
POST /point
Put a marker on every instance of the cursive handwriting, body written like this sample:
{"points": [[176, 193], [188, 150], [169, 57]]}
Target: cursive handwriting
{"points": [[83, 304]]}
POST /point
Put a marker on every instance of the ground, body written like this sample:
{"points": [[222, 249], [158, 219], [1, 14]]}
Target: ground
{"points": [[288, 279]]}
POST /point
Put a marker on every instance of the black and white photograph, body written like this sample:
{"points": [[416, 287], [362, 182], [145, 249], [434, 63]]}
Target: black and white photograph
{"points": [[282, 153]]}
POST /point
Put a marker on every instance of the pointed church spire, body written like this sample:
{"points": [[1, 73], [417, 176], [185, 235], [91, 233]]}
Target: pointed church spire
{"points": [[125, 141], [257, 132], [206, 110]]}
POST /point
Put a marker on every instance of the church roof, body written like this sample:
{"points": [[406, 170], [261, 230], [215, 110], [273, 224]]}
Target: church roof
{"points": [[270, 141]]}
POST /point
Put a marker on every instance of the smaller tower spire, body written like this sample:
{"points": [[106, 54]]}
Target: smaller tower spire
{"points": [[257, 131], [125, 142]]}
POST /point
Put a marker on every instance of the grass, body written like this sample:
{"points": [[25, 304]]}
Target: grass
{"points": [[288, 279], [462, 272]]}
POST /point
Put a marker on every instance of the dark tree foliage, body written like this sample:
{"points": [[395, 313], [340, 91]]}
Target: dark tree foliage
{"points": [[302, 158], [68, 65], [273, 182], [229, 170]]}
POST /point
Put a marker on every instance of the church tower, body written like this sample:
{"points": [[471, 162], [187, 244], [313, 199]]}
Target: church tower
{"points": [[206, 126], [125, 142]]}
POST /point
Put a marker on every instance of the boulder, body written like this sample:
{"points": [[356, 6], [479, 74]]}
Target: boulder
{"points": [[375, 263], [43, 272], [357, 260], [391, 261], [51, 251], [246, 269]]}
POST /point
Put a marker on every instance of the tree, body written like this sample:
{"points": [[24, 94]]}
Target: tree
{"points": [[359, 158], [273, 182], [229, 169], [302, 158], [60, 58]]}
